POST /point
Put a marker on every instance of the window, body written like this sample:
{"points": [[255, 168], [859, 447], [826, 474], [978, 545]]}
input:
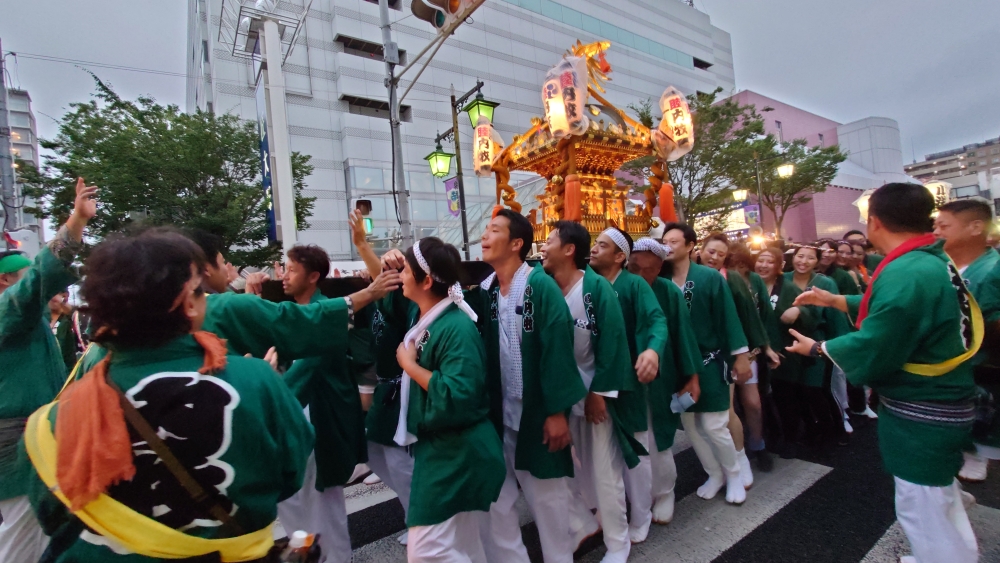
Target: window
{"points": [[374, 108], [366, 49], [367, 178], [15, 103], [19, 120], [421, 182], [204, 50], [25, 153], [971, 154], [424, 209], [821, 138], [703, 65], [781, 135], [996, 160], [394, 4]]}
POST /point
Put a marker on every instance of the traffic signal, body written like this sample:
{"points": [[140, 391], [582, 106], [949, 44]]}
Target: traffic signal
{"points": [[365, 207], [438, 13], [369, 226]]}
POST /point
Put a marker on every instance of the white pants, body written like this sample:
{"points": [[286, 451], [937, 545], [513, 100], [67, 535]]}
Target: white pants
{"points": [[711, 440], [598, 481], [319, 512], [935, 522], [456, 540], [394, 466], [21, 537], [654, 477], [547, 499]]}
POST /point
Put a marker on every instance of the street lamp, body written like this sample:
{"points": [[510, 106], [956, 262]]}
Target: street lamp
{"points": [[480, 106], [786, 170], [740, 194], [439, 161]]}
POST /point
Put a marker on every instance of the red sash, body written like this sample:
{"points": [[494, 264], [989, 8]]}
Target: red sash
{"points": [[911, 244]]}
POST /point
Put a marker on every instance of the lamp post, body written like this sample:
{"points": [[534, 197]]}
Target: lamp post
{"points": [[784, 171], [479, 106], [740, 194]]}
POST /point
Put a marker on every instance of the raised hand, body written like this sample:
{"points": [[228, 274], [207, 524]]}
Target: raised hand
{"points": [[393, 260], [384, 283], [279, 270], [255, 282], [358, 234], [84, 209], [803, 344]]}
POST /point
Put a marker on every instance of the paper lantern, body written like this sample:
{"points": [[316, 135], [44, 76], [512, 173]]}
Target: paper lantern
{"points": [[572, 199], [487, 145], [564, 96], [667, 211], [674, 137]]}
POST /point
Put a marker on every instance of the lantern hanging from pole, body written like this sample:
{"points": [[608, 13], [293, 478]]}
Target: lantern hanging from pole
{"points": [[862, 204], [572, 199], [667, 211], [564, 96], [480, 106], [674, 137], [439, 161], [487, 145]]}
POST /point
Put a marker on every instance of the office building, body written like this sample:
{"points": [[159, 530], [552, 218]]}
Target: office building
{"points": [[971, 170], [336, 97], [24, 145]]}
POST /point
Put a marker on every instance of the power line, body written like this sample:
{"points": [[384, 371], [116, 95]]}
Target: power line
{"points": [[102, 65]]}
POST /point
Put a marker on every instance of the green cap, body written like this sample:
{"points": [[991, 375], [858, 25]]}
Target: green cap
{"points": [[12, 262]]}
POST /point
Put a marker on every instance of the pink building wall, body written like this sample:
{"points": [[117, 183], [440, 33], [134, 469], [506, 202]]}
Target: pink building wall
{"points": [[830, 214]]}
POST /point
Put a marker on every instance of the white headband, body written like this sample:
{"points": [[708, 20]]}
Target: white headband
{"points": [[661, 251], [454, 292], [620, 240]]}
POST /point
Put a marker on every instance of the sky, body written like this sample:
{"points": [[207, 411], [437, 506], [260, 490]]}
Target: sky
{"points": [[931, 65]]}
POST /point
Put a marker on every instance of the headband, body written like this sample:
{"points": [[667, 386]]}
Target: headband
{"points": [[13, 262], [661, 251], [455, 293], [619, 239]]}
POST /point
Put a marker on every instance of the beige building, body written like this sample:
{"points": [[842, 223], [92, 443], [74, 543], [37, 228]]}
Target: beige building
{"points": [[972, 170]]}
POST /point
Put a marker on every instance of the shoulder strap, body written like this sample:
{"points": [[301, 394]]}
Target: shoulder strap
{"points": [[206, 500]]}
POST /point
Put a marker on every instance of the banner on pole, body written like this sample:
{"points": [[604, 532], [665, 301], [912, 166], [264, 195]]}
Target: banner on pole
{"points": [[265, 162], [752, 214], [451, 193]]}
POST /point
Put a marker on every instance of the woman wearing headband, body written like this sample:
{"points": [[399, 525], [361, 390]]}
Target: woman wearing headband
{"points": [[218, 415], [458, 466]]}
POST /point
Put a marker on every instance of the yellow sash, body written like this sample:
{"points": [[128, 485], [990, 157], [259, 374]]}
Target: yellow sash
{"points": [[137, 533], [978, 329]]}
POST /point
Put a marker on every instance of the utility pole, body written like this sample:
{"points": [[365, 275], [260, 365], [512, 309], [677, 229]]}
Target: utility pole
{"points": [[390, 53], [458, 163], [281, 151], [10, 215]]}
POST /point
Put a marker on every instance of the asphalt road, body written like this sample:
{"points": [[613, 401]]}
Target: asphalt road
{"points": [[832, 507]]}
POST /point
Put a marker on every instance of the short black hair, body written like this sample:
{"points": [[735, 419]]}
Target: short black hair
{"points": [[520, 228], [628, 239], [211, 244], [903, 207], [977, 207], [848, 234], [690, 237], [721, 237], [312, 257], [571, 232], [131, 285], [443, 260]]}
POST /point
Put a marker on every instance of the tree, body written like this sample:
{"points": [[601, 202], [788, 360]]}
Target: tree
{"points": [[160, 166], [814, 169], [726, 136]]}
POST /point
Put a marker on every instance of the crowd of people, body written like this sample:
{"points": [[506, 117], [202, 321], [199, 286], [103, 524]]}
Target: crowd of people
{"points": [[198, 417]]}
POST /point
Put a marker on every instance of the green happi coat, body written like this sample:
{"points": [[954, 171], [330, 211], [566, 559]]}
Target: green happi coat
{"points": [[746, 308], [872, 261], [823, 323], [982, 277], [394, 316], [718, 331], [263, 443], [913, 317], [845, 283], [327, 386], [646, 327], [548, 369], [458, 463], [679, 359], [783, 296], [613, 372], [31, 366]]}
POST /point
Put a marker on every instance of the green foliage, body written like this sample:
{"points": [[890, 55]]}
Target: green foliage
{"points": [[815, 168], [160, 166]]}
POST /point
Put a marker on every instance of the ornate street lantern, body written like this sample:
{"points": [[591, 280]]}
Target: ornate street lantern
{"points": [[480, 106], [439, 161]]}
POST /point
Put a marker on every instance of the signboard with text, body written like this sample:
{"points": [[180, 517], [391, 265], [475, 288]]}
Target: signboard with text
{"points": [[451, 194], [265, 162]]}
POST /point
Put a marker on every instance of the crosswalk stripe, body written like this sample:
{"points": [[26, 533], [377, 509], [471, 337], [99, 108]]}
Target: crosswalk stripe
{"points": [[701, 530], [985, 522]]}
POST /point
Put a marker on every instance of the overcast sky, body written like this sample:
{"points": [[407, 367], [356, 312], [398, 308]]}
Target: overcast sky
{"points": [[932, 65]]}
